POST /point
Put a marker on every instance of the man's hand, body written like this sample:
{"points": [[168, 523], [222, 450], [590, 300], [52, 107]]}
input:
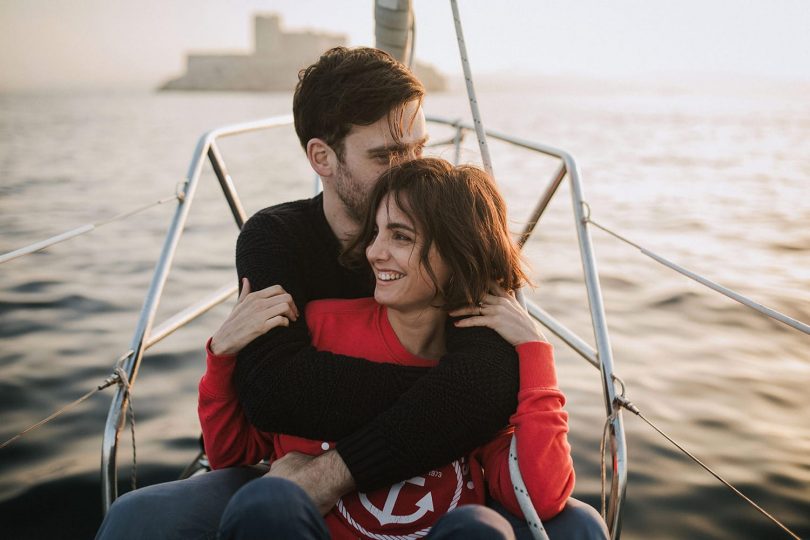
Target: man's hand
{"points": [[324, 478], [255, 314]]}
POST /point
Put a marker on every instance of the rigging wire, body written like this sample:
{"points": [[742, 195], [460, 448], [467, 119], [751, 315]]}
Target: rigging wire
{"points": [[627, 404], [79, 231], [725, 291], [476, 114], [109, 381]]}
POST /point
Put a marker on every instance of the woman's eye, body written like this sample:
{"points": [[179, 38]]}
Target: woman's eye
{"points": [[401, 237]]}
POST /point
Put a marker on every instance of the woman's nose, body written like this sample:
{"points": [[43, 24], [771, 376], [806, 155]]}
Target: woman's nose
{"points": [[377, 251]]}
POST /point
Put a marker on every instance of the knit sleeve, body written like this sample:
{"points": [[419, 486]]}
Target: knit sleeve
{"points": [[458, 406], [283, 383]]}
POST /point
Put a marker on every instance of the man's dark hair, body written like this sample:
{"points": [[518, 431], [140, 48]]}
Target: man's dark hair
{"points": [[348, 87], [461, 212]]}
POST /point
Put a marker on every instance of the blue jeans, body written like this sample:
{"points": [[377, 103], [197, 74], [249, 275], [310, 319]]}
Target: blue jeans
{"points": [[228, 500]]}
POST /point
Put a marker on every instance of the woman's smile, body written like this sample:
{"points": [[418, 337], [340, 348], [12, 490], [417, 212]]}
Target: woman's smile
{"points": [[395, 255]]}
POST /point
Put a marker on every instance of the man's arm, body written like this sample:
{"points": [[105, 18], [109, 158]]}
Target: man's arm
{"points": [[284, 384], [387, 426], [458, 406], [324, 478]]}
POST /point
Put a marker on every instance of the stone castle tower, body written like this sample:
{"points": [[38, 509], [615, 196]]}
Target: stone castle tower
{"points": [[273, 65]]}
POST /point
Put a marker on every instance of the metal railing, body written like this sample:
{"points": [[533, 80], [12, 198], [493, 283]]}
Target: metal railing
{"points": [[600, 357], [145, 336]]}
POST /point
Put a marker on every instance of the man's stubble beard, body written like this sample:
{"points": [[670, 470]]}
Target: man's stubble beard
{"points": [[351, 194]]}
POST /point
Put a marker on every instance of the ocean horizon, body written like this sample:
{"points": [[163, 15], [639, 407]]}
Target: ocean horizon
{"points": [[713, 174]]}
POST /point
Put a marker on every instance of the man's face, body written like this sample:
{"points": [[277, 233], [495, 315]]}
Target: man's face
{"points": [[370, 150]]}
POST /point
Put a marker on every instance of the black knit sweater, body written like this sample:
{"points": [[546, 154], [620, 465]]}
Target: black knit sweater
{"points": [[390, 422]]}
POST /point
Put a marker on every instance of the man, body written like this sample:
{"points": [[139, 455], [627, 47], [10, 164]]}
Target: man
{"points": [[356, 111]]}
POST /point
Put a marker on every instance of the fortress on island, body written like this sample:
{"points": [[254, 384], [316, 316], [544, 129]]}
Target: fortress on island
{"points": [[274, 64]]}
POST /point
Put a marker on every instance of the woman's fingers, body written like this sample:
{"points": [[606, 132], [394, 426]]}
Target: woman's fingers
{"points": [[272, 296], [473, 321], [278, 320], [497, 289], [463, 311], [279, 309], [245, 290]]}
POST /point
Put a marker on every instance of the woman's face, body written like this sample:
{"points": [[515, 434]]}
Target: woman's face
{"points": [[402, 281]]}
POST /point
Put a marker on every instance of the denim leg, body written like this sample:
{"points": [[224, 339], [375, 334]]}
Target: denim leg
{"points": [[577, 521], [183, 509], [473, 522], [272, 508]]}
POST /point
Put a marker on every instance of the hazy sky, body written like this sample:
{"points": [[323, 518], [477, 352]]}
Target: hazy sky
{"points": [[51, 44]]}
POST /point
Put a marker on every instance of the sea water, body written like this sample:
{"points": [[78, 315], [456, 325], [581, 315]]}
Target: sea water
{"points": [[715, 176]]}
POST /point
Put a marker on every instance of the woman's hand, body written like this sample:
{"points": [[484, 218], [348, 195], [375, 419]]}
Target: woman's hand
{"points": [[500, 311], [254, 314]]}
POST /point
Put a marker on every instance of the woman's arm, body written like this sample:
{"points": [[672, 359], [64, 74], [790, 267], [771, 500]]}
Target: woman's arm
{"points": [[541, 428], [229, 439], [540, 424]]}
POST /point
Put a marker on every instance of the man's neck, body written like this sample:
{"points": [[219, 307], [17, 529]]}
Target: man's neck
{"points": [[420, 332], [344, 227]]}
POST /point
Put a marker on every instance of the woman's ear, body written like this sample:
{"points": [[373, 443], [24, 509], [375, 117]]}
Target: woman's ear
{"points": [[321, 157]]}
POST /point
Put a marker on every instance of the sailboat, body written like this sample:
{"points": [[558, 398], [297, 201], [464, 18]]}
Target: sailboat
{"points": [[396, 33]]}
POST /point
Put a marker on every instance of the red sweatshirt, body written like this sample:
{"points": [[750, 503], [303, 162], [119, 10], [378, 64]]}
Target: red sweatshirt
{"points": [[360, 328]]}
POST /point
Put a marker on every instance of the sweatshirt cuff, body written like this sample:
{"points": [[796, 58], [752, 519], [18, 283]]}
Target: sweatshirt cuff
{"points": [[367, 457], [219, 368], [537, 365]]}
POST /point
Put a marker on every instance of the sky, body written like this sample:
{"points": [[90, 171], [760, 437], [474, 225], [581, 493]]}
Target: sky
{"points": [[66, 44]]}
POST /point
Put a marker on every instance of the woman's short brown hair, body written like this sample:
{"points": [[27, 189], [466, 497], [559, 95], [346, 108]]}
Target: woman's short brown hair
{"points": [[460, 210]]}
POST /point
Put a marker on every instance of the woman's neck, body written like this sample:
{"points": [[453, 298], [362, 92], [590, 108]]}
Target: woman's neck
{"points": [[421, 332]]}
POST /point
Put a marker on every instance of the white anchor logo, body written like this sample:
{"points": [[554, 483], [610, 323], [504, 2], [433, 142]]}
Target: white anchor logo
{"points": [[386, 515]]}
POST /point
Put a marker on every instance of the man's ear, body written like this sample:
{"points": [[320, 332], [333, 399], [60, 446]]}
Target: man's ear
{"points": [[321, 157]]}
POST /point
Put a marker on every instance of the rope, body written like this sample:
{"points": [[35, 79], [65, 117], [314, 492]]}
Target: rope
{"points": [[772, 313], [522, 494], [603, 468], [79, 231], [623, 402], [123, 380]]}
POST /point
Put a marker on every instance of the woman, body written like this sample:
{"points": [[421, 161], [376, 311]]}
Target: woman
{"points": [[438, 245]]}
